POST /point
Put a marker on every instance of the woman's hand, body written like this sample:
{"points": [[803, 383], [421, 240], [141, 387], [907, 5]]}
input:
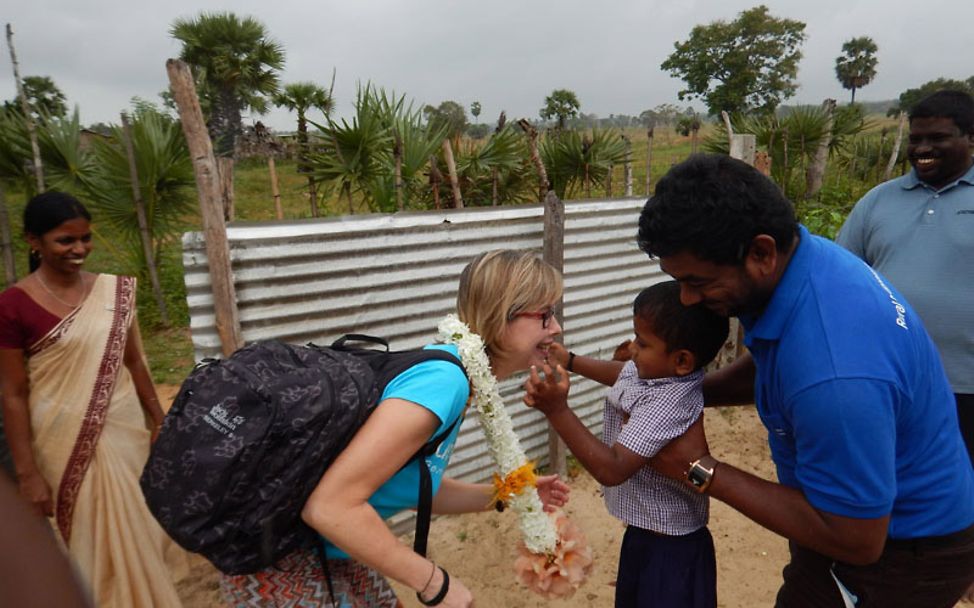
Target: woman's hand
{"points": [[552, 491], [34, 489]]}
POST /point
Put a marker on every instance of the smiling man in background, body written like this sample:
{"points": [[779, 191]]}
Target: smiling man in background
{"points": [[918, 232]]}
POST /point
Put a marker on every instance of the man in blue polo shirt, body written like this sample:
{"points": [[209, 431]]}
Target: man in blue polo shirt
{"points": [[918, 231], [875, 491]]}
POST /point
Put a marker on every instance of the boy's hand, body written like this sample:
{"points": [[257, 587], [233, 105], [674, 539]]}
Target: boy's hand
{"points": [[557, 355], [547, 395], [621, 352]]}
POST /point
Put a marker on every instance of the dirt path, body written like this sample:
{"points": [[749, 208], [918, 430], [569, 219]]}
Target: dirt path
{"points": [[479, 549]]}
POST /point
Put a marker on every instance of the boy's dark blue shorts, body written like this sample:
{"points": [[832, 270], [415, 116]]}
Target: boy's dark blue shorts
{"points": [[660, 571]]}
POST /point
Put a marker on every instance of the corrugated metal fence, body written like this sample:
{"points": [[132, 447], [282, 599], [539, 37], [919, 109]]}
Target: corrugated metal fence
{"points": [[395, 276]]}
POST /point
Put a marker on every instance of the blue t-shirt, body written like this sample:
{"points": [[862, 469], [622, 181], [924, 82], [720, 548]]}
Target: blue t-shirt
{"points": [[859, 412], [442, 388]]}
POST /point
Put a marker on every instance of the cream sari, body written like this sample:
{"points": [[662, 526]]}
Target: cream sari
{"points": [[90, 441]]}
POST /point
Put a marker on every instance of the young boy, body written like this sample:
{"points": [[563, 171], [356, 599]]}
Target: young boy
{"points": [[667, 557]]}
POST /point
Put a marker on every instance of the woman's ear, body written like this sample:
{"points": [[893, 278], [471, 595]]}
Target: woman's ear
{"points": [[683, 362], [33, 242]]}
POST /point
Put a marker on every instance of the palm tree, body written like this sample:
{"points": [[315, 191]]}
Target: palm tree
{"points": [[574, 160], [497, 170], [792, 140], [856, 67], [300, 97], [166, 181], [353, 154], [235, 63], [562, 104]]}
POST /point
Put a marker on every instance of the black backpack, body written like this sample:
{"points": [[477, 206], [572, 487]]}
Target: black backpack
{"points": [[248, 438]]}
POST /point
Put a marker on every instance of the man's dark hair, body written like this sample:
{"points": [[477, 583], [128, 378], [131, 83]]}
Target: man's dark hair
{"points": [[713, 206], [694, 328], [955, 105]]}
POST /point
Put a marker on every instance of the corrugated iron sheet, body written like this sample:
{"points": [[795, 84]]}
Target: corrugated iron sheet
{"points": [[396, 275]]}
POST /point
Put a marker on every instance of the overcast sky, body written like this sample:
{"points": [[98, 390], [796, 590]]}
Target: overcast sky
{"points": [[508, 55]]}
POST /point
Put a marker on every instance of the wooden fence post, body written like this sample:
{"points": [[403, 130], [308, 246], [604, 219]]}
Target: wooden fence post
{"points": [[553, 252], [627, 168], [150, 258], [275, 187], [649, 161], [532, 133], [743, 147], [6, 242], [211, 208], [28, 120], [451, 168], [896, 147], [816, 171], [397, 157]]}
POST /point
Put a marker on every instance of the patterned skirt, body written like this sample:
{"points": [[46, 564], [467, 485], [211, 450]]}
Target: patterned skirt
{"points": [[299, 582]]}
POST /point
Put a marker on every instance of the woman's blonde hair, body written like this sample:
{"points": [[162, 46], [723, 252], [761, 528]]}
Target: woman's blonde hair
{"points": [[498, 284]]}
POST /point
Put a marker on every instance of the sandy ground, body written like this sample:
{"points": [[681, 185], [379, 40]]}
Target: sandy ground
{"points": [[479, 549]]}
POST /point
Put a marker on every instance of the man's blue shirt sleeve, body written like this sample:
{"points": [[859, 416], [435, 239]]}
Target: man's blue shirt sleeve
{"points": [[845, 446]]}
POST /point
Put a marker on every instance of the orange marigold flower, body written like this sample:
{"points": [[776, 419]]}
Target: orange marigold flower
{"points": [[514, 483]]}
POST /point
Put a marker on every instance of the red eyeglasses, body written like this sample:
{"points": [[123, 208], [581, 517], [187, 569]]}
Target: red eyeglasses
{"points": [[544, 315]]}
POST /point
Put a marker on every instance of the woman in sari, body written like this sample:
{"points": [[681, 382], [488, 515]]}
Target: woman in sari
{"points": [[73, 377]]}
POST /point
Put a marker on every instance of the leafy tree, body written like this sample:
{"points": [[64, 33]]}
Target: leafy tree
{"points": [[475, 110], [478, 131], [235, 64], [748, 63], [449, 115], [910, 97], [663, 114], [44, 98], [562, 104], [100, 128], [856, 66]]}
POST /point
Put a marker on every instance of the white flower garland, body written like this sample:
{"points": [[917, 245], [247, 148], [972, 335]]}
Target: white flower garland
{"points": [[540, 535]]}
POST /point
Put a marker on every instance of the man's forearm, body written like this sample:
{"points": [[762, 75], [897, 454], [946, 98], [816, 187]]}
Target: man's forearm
{"points": [[787, 512]]}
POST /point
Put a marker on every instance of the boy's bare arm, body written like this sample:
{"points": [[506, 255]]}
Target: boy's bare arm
{"points": [[603, 372], [609, 465]]}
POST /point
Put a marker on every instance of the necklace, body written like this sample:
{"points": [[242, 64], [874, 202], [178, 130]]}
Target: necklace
{"points": [[84, 291], [537, 528]]}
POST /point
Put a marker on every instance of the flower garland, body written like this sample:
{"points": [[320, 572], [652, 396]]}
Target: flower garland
{"points": [[554, 557], [540, 534]]}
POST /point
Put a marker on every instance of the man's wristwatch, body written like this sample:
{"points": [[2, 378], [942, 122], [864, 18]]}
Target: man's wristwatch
{"points": [[701, 473]]}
